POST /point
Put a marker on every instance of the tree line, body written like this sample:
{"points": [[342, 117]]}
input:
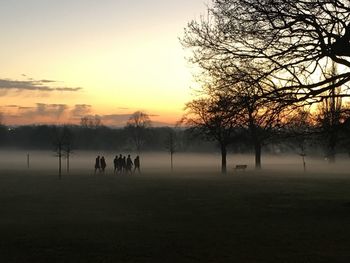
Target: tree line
{"points": [[303, 132]]}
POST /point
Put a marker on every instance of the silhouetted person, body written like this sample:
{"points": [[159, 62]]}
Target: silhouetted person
{"points": [[137, 164], [115, 162], [97, 164], [128, 164], [120, 164], [103, 164], [124, 164]]}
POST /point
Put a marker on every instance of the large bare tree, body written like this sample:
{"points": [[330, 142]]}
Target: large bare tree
{"points": [[262, 118], [290, 41], [247, 102], [214, 118]]}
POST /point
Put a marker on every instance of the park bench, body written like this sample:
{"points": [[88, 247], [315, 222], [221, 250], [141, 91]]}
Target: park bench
{"points": [[241, 167]]}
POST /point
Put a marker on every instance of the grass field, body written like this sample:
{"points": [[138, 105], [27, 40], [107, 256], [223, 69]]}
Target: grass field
{"points": [[193, 217]]}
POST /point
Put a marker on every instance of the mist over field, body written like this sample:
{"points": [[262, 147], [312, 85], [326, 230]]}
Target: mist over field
{"points": [[194, 214], [82, 162]]}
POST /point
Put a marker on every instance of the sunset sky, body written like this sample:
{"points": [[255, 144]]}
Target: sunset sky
{"points": [[61, 60]]}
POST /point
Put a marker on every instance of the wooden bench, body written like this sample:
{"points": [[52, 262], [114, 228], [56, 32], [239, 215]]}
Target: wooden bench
{"points": [[241, 167]]}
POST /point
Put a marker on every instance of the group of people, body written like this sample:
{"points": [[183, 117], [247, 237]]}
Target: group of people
{"points": [[122, 164], [100, 164]]}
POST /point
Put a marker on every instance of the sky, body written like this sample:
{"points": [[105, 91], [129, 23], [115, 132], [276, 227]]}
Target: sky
{"points": [[62, 60]]}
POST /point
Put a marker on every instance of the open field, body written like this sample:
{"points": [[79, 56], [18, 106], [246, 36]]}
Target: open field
{"points": [[250, 216], [279, 214]]}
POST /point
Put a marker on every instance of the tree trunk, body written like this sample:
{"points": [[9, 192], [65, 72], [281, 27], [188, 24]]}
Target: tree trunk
{"points": [[257, 156], [223, 159]]}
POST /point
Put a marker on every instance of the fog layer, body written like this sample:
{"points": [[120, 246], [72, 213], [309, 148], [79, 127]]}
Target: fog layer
{"points": [[83, 162]]}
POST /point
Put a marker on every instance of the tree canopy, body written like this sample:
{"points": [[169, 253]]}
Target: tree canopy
{"points": [[289, 42]]}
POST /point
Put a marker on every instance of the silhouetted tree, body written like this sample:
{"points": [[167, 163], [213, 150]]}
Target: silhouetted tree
{"points": [[137, 127], [289, 41], [260, 116], [345, 133], [91, 122], [62, 140], [170, 145], [67, 149], [244, 91], [299, 131], [2, 129], [330, 115], [213, 117]]}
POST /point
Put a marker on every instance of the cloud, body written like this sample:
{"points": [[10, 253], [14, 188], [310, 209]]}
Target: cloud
{"points": [[115, 118], [43, 110], [21, 108], [11, 106], [81, 110], [42, 113], [33, 85]]}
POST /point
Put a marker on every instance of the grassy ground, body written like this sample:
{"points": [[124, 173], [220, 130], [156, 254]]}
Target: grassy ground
{"points": [[247, 217]]}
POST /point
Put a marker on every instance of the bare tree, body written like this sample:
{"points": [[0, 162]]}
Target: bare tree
{"points": [[62, 142], [214, 118], [171, 145], [137, 127], [330, 115], [262, 117], [67, 149], [245, 92], [290, 41], [299, 129], [91, 121], [3, 130]]}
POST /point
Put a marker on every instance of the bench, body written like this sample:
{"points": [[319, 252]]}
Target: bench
{"points": [[241, 167]]}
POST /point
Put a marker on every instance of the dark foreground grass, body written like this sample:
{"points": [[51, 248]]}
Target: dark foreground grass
{"points": [[192, 218]]}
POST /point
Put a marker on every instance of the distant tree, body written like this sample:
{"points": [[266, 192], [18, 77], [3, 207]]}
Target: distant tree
{"points": [[91, 121], [345, 133], [171, 145], [67, 149], [62, 142], [330, 115], [213, 117], [299, 131], [328, 118], [137, 126], [3, 130]]}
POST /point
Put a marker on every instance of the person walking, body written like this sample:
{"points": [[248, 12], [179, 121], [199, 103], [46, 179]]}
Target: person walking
{"points": [[120, 164], [97, 164], [115, 162], [103, 164], [137, 164], [128, 165], [123, 165]]}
